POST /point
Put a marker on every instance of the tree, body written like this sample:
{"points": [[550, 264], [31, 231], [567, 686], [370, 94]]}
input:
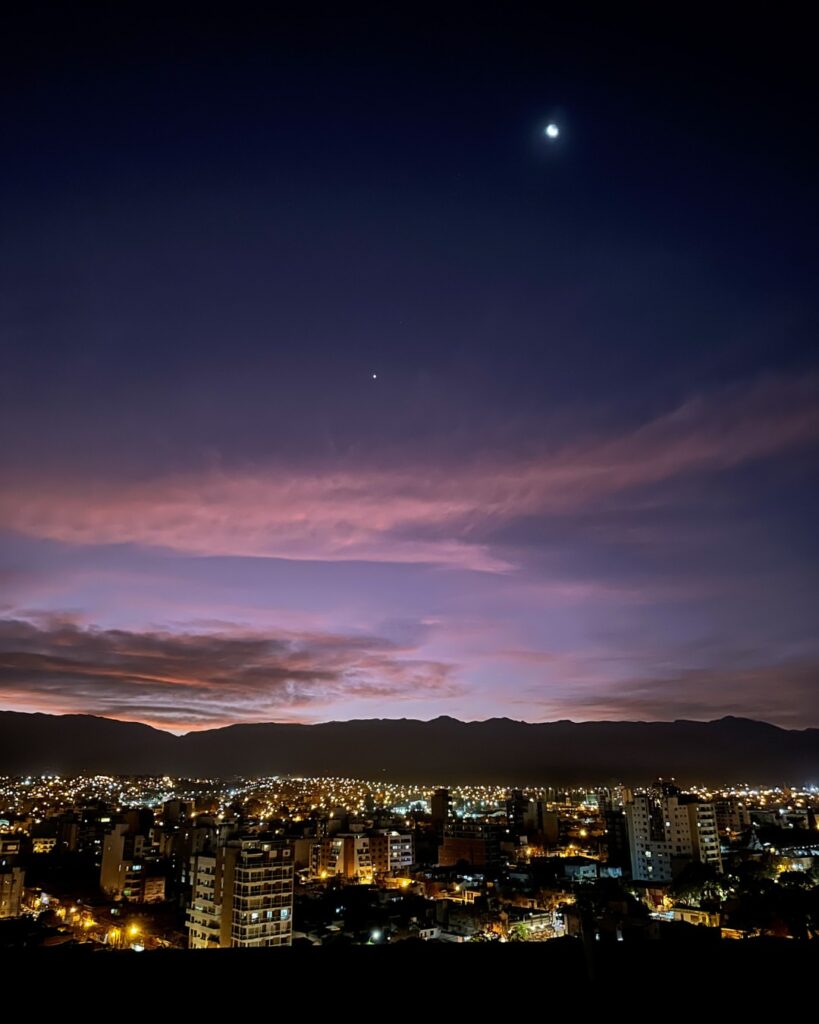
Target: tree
{"points": [[695, 883]]}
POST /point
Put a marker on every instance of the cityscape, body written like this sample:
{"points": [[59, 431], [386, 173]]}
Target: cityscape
{"points": [[409, 487], [144, 864]]}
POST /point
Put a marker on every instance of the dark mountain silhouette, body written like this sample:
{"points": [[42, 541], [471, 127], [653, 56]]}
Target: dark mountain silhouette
{"points": [[75, 743], [443, 750]]}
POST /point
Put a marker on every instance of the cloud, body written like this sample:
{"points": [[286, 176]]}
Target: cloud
{"points": [[191, 680], [786, 694], [417, 510]]}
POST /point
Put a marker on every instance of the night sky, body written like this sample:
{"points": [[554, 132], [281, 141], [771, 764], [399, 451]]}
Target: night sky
{"points": [[583, 482]]}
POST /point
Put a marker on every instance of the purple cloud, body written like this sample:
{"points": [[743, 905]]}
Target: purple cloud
{"points": [[192, 680]]}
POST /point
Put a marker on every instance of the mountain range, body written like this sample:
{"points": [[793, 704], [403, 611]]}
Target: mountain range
{"points": [[443, 750]]}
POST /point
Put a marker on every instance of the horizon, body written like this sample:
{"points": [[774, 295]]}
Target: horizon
{"points": [[499, 750], [373, 366], [422, 721]]}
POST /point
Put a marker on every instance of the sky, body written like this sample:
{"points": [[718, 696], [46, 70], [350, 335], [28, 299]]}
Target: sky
{"points": [[331, 388]]}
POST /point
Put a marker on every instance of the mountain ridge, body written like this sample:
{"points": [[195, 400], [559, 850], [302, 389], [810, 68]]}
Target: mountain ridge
{"points": [[444, 749]]}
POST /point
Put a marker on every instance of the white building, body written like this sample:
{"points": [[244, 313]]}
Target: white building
{"points": [[117, 858], [205, 910], [702, 820], [243, 895], [664, 833], [401, 851]]}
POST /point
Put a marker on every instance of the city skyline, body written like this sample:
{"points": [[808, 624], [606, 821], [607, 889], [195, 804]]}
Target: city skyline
{"points": [[334, 387], [269, 862]]}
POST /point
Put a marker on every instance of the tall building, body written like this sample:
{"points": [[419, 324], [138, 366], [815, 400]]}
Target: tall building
{"points": [[472, 843], [515, 812], [205, 909], [392, 852], [11, 891], [363, 855], [658, 834], [129, 863], [176, 811], [242, 896], [12, 877], [664, 834], [439, 809], [617, 839], [540, 823], [702, 821], [117, 858], [261, 908], [733, 815]]}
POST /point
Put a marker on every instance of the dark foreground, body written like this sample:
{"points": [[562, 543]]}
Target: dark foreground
{"points": [[469, 974]]}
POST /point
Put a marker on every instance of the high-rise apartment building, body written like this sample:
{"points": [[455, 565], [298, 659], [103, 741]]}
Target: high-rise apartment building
{"points": [[733, 815], [617, 839], [702, 820], [363, 855], [11, 891], [516, 806], [665, 833], [472, 843], [242, 896], [128, 869], [205, 910], [117, 858], [12, 877], [392, 852]]}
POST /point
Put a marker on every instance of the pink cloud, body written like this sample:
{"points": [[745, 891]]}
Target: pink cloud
{"points": [[413, 511], [197, 680]]}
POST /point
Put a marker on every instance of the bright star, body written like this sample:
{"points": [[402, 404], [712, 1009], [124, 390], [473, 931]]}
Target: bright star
{"points": [[551, 131]]}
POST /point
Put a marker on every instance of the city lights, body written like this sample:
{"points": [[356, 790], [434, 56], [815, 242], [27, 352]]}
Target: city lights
{"points": [[513, 860]]}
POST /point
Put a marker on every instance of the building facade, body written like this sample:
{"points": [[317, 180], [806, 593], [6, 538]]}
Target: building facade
{"points": [[205, 910], [702, 822], [472, 843], [363, 856], [540, 824], [242, 896], [128, 870], [664, 834], [439, 806], [117, 858], [12, 877], [11, 891], [733, 815]]}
